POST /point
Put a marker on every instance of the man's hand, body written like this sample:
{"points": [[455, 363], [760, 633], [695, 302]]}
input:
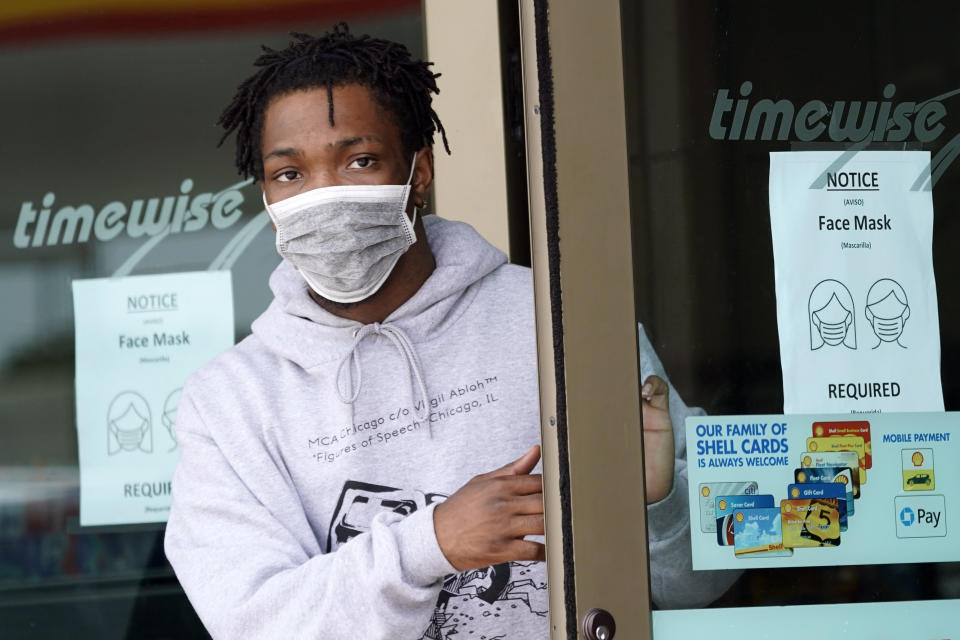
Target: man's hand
{"points": [[657, 438], [485, 521]]}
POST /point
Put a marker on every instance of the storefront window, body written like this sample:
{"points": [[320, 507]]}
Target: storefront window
{"points": [[798, 178], [115, 190]]}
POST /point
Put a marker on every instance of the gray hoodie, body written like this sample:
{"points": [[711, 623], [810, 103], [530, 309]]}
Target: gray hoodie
{"points": [[299, 514]]}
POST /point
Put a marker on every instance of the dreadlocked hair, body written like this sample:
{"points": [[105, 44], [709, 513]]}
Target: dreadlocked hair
{"points": [[399, 84]]}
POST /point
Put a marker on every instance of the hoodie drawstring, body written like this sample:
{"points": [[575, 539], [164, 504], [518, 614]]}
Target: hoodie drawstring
{"points": [[406, 349]]}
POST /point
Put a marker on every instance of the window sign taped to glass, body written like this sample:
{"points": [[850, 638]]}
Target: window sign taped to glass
{"points": [[137, 340], [823, 489], [856, 296]]}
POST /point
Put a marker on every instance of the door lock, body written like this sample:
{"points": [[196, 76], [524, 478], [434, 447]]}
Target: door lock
{"points": [[598, 624]]}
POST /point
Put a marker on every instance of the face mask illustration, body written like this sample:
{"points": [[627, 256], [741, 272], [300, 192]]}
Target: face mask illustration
{"points": [[128, 424], [888, 330], [831, 313], [833, 333], [887, 310], [345, 240]]}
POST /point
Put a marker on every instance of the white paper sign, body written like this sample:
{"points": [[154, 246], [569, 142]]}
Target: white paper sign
{"points": [[856, 297], [137, 340]]}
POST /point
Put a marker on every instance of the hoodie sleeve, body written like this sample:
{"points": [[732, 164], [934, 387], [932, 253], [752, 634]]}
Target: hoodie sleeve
{"points": [[252, 571], [674, 583]]}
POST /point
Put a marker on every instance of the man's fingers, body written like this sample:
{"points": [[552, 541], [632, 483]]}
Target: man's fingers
{"points": [[526, 462], [531, 504], [527, 550], [523, 464], [654, 385], [656, 392], [531, 525], [520, 485]]}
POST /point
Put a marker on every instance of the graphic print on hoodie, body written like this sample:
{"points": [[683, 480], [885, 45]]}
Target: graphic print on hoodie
{"points": [[504, 591], [296, 514]]}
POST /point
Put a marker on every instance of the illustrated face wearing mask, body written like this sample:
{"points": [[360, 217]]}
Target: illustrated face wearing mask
{"points": [[887, 311], [833, 322], [128, 424], [345, 240]]}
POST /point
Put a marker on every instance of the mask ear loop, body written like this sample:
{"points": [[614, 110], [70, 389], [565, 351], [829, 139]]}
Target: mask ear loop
{"points": [[273, 219], [266, 207], [413, 166]]}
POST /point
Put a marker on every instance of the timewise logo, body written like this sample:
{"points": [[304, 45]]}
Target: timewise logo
{"points": [[857, 122], [49, 225], [883, 120]]}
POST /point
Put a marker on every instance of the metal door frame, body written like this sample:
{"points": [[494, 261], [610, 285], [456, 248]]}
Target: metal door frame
{"points": [[580, 236], [587, 333]]}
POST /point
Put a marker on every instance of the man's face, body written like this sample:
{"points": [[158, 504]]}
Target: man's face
{"points": [[301, 151]]}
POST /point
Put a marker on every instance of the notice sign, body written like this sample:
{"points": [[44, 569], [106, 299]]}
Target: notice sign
{"points": [[137, 340], [856, 297], [810, 490]]}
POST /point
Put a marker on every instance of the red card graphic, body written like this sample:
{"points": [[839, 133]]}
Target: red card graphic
{"points": [[848, 428]]}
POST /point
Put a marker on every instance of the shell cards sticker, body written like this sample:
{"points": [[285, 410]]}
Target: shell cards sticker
{"points": [[137, 340], [804, 504]]}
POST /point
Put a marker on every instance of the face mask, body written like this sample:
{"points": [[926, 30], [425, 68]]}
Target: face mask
{"points": [[833, 334], [345, 240], [130, 429], [888, 330], [129, 439]]}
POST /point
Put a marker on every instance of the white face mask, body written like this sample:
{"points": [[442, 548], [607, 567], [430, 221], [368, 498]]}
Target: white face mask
{"points": [[345, 240]]}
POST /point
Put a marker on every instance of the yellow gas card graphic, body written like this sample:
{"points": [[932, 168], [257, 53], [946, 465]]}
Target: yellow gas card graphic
{"points": [[848, 428], [842, 443], [917, 469], [810, 523]]}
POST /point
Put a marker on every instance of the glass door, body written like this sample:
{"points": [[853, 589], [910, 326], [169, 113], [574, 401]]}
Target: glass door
{"points": [[751, 203]]}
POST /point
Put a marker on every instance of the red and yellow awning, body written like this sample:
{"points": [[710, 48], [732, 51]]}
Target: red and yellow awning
{"points": [[27, 20]]}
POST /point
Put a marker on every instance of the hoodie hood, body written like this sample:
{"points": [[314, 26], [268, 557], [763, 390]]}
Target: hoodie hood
{"points": [[298, 329]]}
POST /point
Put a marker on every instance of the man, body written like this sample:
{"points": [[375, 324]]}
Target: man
{"points": [[361, 465]]}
